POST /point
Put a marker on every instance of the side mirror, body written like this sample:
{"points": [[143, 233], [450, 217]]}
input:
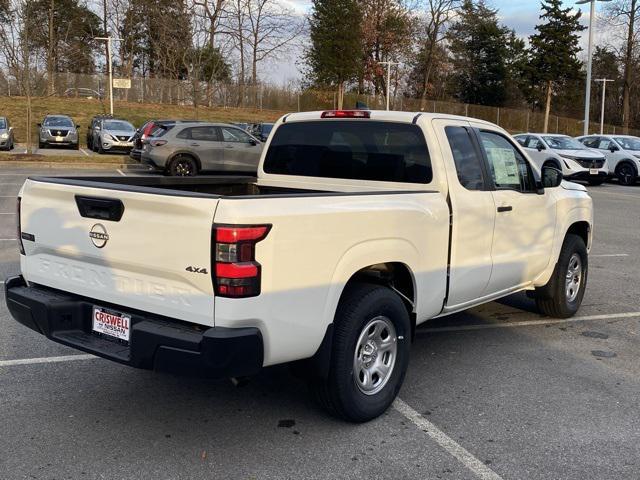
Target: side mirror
{"points": [[613, 148], [77, 126], [39, 125], [551, 177], [540, 147], [253, 142]]}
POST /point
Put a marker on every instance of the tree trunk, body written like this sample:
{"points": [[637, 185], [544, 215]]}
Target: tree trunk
{"points": [[628, 67], [547, 108], [340, 95], [51, 86]]}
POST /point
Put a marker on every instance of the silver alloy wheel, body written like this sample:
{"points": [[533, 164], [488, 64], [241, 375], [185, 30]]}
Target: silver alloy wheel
{"points": [[375, 355], [573, 278], [183, 168]]}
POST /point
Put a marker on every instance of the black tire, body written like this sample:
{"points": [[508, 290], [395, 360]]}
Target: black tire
{"points": [[182, 166], [553, 299], [597, 182], [76, 146], [339, 393], [41, 145], [626, 173]]}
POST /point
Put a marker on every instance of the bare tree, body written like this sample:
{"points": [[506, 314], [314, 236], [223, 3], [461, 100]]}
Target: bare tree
{"points": [[438, 15], [214, 12], [16, 27], [625, 15], [271, 28]]}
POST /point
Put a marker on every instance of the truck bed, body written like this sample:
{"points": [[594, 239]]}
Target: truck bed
{"points": [[202, 186]]}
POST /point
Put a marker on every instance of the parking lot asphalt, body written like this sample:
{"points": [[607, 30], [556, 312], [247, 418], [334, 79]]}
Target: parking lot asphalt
{"points": [[496, 392]]}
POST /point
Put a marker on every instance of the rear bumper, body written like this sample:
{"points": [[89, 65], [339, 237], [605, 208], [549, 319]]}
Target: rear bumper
{"points": [[156, 343]]}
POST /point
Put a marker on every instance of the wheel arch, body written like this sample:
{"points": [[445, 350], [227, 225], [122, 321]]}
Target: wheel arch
{"points": [[554, 161], [396, 275], [626, 161]]}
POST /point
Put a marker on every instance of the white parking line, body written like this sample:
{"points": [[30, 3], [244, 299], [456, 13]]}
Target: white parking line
{"points": [[7, 213], [120, 172], [611, 255], [7, 239], [31, 361], [527, 323], [445, 441], [83, 151]]}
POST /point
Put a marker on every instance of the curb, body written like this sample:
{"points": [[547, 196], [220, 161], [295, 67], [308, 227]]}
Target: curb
{"points": [[89, 165]]}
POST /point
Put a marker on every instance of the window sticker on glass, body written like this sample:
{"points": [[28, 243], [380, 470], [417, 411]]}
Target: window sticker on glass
{"points": [[505, 167]]}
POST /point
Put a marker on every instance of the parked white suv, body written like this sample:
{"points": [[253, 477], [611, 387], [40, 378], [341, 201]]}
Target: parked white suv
{"points": [[622, 153], [359, 227], [565, 153]]}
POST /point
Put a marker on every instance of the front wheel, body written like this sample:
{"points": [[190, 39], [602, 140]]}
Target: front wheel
{"points": [[370, 354], [562, 296], [626, 174]]}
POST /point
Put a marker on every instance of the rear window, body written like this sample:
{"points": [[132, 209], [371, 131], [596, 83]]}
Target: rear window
{"points": [[350, 149]]}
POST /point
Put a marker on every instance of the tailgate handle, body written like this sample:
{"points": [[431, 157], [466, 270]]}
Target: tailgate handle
{"points": [[100, 208]]}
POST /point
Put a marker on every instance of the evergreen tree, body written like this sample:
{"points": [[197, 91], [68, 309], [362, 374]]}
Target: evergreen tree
{"points": [[478, 46], [554, 51], [517, 62], [335, 54]]}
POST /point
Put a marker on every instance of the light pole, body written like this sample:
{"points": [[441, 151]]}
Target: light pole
{"points": [[388, 64], [110, 67], [587, 100], [604, 93]]}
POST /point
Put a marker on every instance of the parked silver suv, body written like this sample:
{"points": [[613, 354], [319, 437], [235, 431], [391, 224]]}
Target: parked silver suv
{"points": [[58, 130], [6, 134], [184, 149], [109, 134]]}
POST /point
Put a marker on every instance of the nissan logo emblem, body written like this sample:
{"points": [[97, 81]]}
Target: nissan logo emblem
{"points": [[99, 235]]}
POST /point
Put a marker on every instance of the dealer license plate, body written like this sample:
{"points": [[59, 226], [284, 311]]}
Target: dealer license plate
{"points": [[59, 139], [593, 171], [112, 324]]}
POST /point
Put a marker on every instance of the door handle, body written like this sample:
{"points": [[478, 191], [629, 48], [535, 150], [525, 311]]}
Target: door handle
{"points": [[194, 144], [228, 146], [505, 208]]}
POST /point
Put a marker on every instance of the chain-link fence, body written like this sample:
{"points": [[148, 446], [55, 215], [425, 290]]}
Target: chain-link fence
{"points": [[266, 97]]}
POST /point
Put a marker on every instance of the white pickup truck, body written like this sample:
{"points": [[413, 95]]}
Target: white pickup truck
{"points": [[359, 227]]}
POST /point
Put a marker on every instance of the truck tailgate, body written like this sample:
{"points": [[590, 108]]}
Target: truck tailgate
{"points": [[155, 258]]}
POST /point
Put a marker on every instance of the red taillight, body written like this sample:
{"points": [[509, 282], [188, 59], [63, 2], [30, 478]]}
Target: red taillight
{"points": [[147, 130], [236, 272], [19, 232], [346, 114], [157, 143]]}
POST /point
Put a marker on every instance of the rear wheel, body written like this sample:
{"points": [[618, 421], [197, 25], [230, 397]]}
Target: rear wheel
{"points": [[183, 166], [370, 354], [562, 296], [626, 174]]}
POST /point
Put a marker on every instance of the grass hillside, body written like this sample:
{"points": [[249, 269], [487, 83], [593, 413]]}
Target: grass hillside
{"points": [[81, 110]]}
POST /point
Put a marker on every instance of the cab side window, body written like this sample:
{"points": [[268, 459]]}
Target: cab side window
{"points": [[466, 158], [508, 168]]}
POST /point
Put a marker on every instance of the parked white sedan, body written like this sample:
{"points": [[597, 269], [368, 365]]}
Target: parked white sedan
{"points": [[622, 153], [576, 161]]}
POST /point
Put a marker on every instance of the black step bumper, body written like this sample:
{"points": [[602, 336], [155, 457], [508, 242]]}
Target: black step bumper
{"points": [[156, 343]]}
